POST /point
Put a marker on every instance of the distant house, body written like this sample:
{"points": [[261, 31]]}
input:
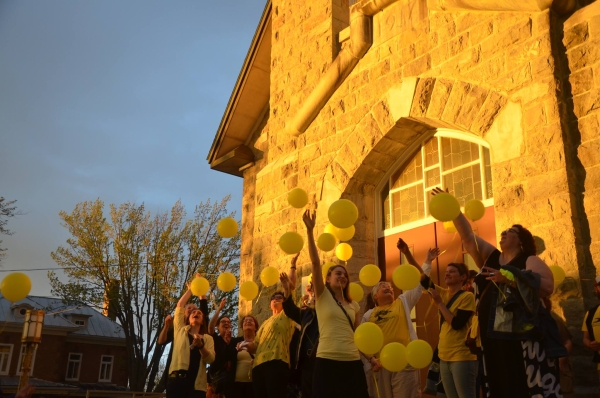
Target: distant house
{"points": [[80, 346]]}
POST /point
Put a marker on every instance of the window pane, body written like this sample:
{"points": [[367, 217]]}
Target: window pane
{"points": [[432, 177], [487, 166], [431, 152], [464, 184], [385, 197], [408, 205], [412, 172], [458, 152]]}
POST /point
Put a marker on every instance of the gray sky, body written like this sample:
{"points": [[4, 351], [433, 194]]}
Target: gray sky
{"points": [[117, 100]]}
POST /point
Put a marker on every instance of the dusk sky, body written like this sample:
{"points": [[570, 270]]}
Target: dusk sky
{"points": [[117, 100]]}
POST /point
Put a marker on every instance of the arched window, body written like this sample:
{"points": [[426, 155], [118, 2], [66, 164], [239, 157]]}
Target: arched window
{"points": [[447, 160]]}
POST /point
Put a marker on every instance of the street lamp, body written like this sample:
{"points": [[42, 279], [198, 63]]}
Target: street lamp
{"points": [[32, 336]]}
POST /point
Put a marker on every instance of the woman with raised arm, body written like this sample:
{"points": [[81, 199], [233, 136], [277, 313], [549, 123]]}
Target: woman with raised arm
{"points": [[193, 349], [338, 368], [221, 373], [519, 347]]}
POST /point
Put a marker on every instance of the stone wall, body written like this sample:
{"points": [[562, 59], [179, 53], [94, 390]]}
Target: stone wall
{"points": [[495, 75]]}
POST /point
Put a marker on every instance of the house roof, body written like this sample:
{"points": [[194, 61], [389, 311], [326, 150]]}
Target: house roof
{"points": [[248, 104], [97, 324]]}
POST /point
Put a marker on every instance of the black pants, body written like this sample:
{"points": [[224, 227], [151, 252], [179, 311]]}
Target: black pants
{"points": [[307, 368], [270, 379], [242, 390], [183, 387], [339, 379]]}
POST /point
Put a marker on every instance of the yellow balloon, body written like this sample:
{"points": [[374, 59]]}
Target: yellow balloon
{"points": [[15, 286], [343, 213], [291, 242], [297, 198], [419, 354], [444, 207], [249, 290], [326, 242], [226, 281], [345, 234], [199, 286], [474, 209], [393, 357], [369, 275], [227, 227], [331, 229], [326, 267], [356, 291], [449, 227], [558, 273], [406, 277], [343, 251], [368, 338], [269, 276]]}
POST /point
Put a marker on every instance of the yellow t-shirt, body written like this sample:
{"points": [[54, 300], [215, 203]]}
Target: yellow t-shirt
{"points": [[243, 367], [336, 339], [391, 319], [273, 339], [451, 347], [595, 326]]}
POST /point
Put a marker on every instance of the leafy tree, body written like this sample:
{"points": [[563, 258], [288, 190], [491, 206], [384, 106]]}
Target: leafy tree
{"points": [[134, 267], [7, 210]]}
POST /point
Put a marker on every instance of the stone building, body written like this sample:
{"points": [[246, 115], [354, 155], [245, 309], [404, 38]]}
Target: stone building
{"points": [[378, 101]]}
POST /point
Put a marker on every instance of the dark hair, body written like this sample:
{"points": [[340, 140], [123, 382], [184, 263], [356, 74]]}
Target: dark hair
{"points": [[527, 241], [346, 290], [278, 292], [219, 319], [462, 270], [472, 274], [256, 325]]}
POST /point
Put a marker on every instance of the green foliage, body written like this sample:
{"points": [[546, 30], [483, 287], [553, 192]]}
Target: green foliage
{"points": [[7, 210], [134, 267]]}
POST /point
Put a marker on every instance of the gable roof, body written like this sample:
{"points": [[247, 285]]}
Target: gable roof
{"points": [[97, 324], [248, 104]]}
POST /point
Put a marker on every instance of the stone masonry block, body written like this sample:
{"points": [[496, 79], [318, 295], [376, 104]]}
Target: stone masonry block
{"points": [[592, 178], [369, 131], [589, 153], [584, 55], [383, 116], [481, 32], [389, 147], [422, 97], [352, 117], [418, 66], [518, 33], [589, 127], [576, 35], [535, 116], [586, 103], [471, 105], [467, 20], [456, 101], [546, 185], [581, 81], [439, 97]]}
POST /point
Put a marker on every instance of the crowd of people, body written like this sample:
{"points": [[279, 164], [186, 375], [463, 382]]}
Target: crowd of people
{"points": [[498, 337]]}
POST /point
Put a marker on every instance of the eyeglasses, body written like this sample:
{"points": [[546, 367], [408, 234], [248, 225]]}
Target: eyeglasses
{"points": [[277, 297], [513, 230], [249, 320]]}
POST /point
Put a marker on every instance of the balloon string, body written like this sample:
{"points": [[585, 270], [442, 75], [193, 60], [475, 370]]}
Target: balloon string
{"points": [[424, 325], [376, 385], [449, 244], [259, 293]]}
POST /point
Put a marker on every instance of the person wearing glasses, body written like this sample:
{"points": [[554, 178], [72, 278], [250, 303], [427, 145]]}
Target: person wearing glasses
{"points": [[271, 349], [519, 360], [193, 349], [222, 371], [306, 317]]}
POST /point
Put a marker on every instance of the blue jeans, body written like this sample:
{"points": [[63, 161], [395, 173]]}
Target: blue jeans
{"points": [[459, 378]]}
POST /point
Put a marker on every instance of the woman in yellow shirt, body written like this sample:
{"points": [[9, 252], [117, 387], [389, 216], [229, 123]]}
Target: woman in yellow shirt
{"points": [[193, 349], [338, 370], [458, 366], [271, 348]]}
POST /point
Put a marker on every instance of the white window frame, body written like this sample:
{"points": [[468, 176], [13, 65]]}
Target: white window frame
{"points": [[9, 357], [413, 149], [111, 364], [80, 361], [21, 355]]}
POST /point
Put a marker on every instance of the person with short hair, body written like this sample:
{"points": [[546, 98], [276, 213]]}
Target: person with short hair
{"points": [[392, 315], [242, 387], [271, 349], [193, 349], [221, 373], [591, 327]]}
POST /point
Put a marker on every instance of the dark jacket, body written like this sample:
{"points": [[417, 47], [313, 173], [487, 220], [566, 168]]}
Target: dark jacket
{"points": [[518, 314], [590, 328], [306, 317]]}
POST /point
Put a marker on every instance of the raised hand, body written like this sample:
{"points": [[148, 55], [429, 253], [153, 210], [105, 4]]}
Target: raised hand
{"points": [[222, 304], [401, 245], [309, 218], [436, 190], [435, 295], [431, 254], [295, 259], [168, 320], [287, 284]]}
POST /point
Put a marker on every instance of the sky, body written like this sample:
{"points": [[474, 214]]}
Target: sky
{"points": [[112, 100]]}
